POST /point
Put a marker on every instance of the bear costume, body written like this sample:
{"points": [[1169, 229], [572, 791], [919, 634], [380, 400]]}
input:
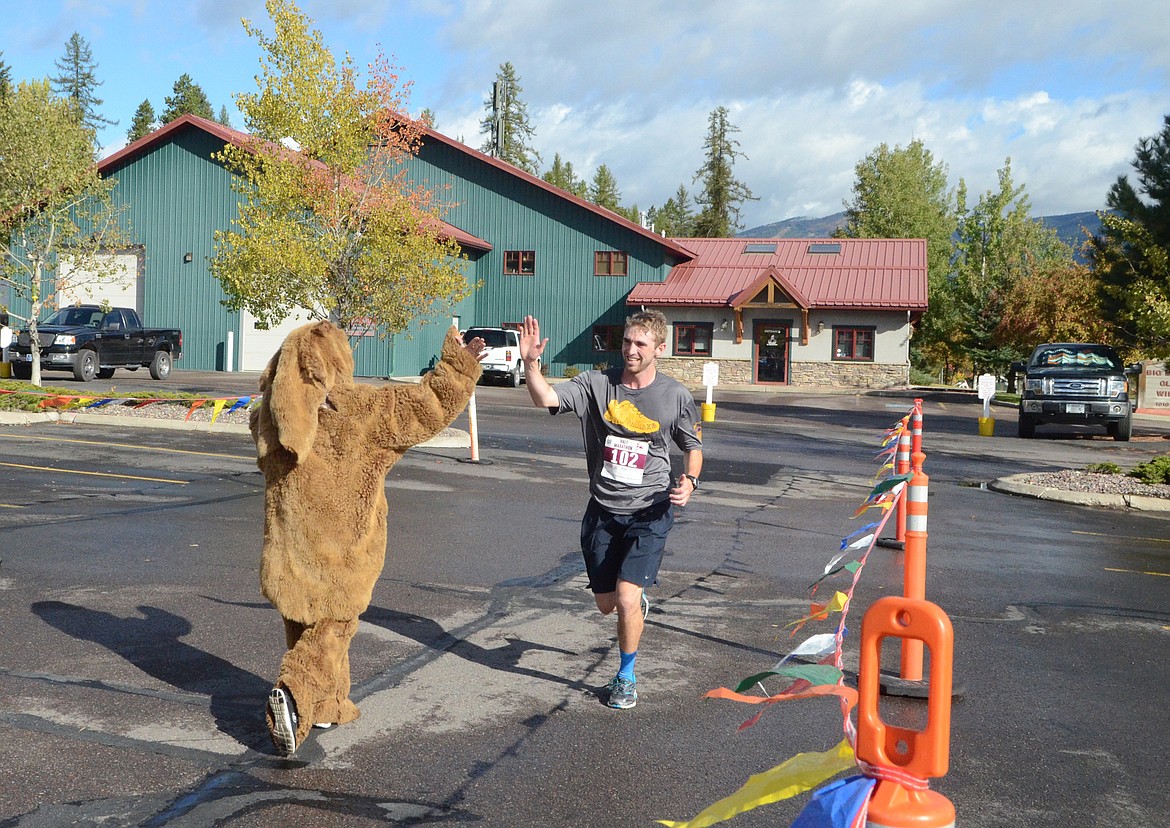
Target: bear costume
{"points": [[325, 445]]}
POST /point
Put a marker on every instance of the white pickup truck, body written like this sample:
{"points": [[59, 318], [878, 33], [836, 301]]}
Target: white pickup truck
{"points": [[503, 354]]}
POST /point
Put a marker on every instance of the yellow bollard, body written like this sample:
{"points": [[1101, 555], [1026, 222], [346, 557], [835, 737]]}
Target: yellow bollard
{"points": [[5, 370], [986, 426], [708, 412]]}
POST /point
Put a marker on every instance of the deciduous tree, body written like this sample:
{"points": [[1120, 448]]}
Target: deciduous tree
{"points": [[56, 213], [999, 243], [722, 193], [335, 227], [902, 193]]}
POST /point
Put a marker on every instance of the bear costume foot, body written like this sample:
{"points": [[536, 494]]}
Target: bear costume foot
{"points": [[282, 721]]}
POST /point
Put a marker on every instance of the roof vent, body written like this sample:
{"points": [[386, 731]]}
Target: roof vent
{"points": [[760, 247], [825, 247]]}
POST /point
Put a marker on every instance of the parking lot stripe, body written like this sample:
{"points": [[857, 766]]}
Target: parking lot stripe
{"points": [[96, 474]]}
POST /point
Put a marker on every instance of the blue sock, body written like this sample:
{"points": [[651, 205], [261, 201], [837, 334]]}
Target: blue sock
{"points": [[627, 669]]}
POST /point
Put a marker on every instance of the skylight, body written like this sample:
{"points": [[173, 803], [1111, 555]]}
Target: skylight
{"points": [[825, 247], [760, 247]]}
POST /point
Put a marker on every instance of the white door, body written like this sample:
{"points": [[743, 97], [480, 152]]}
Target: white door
{"points": [[257, 345], [123, 288]]}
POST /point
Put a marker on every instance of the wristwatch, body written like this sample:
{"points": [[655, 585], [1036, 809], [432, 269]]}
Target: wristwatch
{"points": [[694, 480]]}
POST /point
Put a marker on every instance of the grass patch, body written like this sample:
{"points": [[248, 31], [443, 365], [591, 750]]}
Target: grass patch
{"points": [[33, 396]]}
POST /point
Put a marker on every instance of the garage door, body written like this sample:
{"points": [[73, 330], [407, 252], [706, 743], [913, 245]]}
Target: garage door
{"points": [[123, 288], [257, 345]]}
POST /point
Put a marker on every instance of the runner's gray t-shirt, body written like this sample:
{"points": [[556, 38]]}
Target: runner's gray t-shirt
{"points": [[626, 432]]}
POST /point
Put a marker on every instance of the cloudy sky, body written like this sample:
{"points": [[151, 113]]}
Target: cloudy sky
{"points": [[1065, 88]]}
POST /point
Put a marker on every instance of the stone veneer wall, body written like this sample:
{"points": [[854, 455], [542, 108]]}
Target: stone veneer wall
{"points": [[849, 374], [689, 371]]}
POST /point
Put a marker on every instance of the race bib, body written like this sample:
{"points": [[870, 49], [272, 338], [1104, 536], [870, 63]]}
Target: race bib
{"points": [[625, 459]]}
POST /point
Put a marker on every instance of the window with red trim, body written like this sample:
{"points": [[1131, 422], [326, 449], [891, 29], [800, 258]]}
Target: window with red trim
{"points": [[519, 262], [608, 337], [853, 344], [692, 338], [611, 263]]}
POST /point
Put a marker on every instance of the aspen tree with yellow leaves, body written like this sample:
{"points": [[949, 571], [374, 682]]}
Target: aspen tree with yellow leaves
{"points": [[329, 221]]}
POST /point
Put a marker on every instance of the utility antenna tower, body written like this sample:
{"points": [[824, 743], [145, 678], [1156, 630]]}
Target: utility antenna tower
{"points": [[499, 107]]}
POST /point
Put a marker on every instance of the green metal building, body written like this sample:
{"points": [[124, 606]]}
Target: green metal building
{"points": [[532, 248]]}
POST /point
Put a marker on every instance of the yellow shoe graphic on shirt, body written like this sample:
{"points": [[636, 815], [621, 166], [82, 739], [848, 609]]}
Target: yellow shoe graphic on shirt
{"points": [[627, 415]]}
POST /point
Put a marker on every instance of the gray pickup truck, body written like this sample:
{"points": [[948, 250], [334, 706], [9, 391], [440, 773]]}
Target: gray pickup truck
{"points": [[1077, 383], [92, 341]]}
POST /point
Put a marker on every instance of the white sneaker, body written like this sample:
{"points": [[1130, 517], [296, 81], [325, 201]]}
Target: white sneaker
{"points": [[284, 721]]}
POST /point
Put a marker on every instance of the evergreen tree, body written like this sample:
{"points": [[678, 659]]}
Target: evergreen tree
{"points": [[143, 122], [901, 193], [508, 130], [561, 174], [1131, 255], [999, 245], [722, 194], [188, 98], [427, 116], [5, 78], [77, 83], [224, 118], [603, 191], [675, 218]]}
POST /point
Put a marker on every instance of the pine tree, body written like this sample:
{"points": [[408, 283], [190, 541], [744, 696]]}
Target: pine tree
{"points": [[722, 193], [77, 83], [1132, 252], [5, 78], [561, 174], [675, 218], [508, 130], [224, 118], [143, 122], [189, 98], [603, 191]]}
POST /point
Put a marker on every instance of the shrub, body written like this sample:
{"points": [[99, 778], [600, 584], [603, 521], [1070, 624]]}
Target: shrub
{"points": [[1103, 468], [572, 371], [1154, 471]]}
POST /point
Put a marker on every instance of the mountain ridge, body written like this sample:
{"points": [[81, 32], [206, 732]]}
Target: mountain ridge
{"points": [[1067, 225]]}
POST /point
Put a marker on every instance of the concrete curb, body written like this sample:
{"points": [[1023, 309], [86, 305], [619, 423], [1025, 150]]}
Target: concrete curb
{"points": [[448, 438], [1014, 484]]}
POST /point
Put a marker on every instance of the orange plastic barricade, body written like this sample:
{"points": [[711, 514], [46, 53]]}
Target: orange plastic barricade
{"points": [[914, 565], [900, 758]]}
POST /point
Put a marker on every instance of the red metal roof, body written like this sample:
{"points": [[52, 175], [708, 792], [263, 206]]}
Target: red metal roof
{"points": [[147, 143], [865, 274]]}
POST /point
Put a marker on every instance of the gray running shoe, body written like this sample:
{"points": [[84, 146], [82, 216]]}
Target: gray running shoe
{"points": [[645, 606], [623, 693], [284, 721]]}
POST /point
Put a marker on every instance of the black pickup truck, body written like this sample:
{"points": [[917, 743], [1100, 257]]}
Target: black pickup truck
{"points": [[1078, 383], [92, 341]]}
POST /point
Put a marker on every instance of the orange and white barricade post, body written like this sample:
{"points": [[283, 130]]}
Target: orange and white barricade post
{"points": [[901, 759], [910, 681], [909, 442]]}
